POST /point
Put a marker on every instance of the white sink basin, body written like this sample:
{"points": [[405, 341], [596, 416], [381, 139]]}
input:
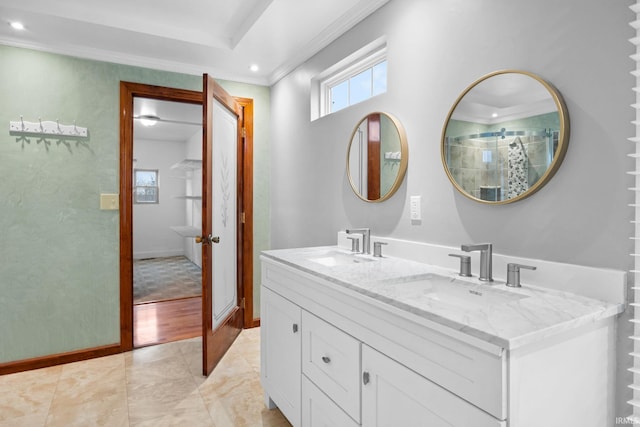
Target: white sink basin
{"points": [[336, 258], [452, 292]]}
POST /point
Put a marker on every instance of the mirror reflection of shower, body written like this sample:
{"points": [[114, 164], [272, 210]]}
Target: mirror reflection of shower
{"points": [[501, 164], [505, 137]]}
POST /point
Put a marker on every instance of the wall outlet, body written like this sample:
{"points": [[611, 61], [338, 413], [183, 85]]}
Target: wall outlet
{"points": [[415, 208], [109, 202]]}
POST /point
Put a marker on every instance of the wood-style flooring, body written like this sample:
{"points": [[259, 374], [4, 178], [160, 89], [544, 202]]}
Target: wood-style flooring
{"points": [[167, 321]]}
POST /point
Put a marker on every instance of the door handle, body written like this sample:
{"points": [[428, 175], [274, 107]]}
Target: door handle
{"points": [[366, 378], [207, 240]]}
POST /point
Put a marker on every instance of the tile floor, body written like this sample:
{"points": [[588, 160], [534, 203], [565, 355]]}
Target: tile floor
{"points": [[152, 386], [159, 279]]}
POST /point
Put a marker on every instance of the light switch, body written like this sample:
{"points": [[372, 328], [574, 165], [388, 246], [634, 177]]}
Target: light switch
{"points": [[415, 207], [109, 202]]}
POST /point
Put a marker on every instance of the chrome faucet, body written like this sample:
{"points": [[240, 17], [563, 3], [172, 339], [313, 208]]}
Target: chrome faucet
{"points": [[485, 259], [366, 237]]}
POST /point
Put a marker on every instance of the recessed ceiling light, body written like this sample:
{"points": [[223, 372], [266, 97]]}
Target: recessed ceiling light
{"points": [[494, 115], [148, 120], [254, 68], [17, 25]]}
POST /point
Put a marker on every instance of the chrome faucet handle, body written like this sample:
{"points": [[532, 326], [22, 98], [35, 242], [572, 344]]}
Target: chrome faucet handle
{"points": [[355, 244], [513, 274], [465, 264], [377, 248], [366, 236], [486, 259]]}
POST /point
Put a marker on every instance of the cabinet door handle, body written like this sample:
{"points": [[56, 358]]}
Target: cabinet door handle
{"points": [[365, 378], [295, 328], [326, 359]]}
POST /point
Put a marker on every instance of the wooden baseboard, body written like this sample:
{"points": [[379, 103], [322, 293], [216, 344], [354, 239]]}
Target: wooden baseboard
{"points": [[58, 359], [74, 356]]}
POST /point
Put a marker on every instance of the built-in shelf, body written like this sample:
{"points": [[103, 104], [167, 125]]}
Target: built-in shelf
{"points": [[188, 165], [187, 231]]}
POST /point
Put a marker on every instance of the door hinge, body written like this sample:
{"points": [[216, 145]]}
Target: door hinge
{"points": [[243, 304], [243, 218], [244, 132]]}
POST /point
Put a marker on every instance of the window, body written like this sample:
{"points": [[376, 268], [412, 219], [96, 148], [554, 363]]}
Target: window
{"points": [[353, 80], [145, 186]]}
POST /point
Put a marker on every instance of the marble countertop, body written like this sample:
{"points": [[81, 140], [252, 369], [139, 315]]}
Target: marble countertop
{"points": [[504, 316]]}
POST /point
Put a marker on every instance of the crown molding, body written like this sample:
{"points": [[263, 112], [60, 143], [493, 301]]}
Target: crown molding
{"points": [[136, 61], [348, 20]]}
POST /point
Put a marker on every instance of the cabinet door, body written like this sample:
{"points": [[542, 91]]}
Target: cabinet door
{"points": [[281, 353], [393, 395], [320, 411]]}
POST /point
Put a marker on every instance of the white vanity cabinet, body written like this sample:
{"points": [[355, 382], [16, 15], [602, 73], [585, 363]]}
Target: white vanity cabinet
{"points": [[280, 354], [356, 360]]}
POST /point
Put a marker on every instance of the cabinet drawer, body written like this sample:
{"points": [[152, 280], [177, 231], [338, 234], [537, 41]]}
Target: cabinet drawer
{"points": [[331, 360], [320, 411]]}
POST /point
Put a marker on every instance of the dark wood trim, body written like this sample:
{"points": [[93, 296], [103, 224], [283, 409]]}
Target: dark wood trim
{"points": [[225, 334], [216, 342], [58, 359], [246, 195], [256, 323], [373, 150], [128, 91], [207, 218]]}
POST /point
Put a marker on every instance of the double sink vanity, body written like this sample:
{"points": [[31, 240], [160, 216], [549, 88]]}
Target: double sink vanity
{"points": [[353, 339], [418, 334]]}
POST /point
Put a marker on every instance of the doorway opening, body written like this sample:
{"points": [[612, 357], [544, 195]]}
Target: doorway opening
{"points": [[167, 216], [160, 215]]}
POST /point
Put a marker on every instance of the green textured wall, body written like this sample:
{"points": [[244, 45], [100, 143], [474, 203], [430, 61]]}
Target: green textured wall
{"points": [[59, 269]]}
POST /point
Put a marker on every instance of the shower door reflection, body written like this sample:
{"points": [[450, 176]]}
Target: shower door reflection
{"points": [[500, 165]]}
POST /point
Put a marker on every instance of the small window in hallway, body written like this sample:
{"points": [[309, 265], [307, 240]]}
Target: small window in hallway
{"points": [[145, 182]]}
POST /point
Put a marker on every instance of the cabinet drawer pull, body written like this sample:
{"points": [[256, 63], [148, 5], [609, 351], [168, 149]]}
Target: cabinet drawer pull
{"points": [[326, 359], [295, 328], [365, 378]]}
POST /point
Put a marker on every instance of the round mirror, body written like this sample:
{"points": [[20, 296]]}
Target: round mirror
{"points": [[505, 137], [377, 157]]}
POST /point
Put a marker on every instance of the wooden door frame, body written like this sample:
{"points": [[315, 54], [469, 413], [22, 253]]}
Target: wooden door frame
{"points": [[245, 195], [129, 91]]}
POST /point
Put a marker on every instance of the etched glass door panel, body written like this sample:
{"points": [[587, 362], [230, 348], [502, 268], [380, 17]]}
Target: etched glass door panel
{"points": [[222, 313], [224, 212]]}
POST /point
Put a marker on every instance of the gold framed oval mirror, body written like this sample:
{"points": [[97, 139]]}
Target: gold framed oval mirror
{"points": [[377, 157], [505, 137]]}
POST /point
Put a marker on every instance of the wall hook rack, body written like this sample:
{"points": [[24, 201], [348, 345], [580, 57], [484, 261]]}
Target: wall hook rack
{"points": [[47, 128]]}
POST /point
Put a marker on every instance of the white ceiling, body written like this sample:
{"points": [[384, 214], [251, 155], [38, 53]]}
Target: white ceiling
{"points": [[219, 37], [504, 97], [177, 121]]}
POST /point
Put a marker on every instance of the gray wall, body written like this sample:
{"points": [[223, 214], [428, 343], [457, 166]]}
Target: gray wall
{"points": [[436, 49]]}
